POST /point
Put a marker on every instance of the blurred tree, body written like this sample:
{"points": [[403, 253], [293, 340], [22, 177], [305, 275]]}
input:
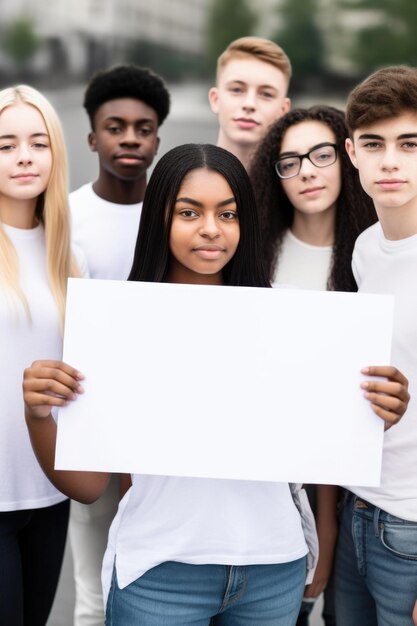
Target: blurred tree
{"points": [[389, 34], [20, 41], [300, 37], [227, 20], [172, 64]]}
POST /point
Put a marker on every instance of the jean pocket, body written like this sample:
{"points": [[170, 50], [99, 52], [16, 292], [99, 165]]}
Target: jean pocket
{"points": [[400, 539]]}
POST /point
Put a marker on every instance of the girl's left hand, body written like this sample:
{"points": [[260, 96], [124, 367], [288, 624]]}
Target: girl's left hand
{"points": [[389, 397], [415, 614]]}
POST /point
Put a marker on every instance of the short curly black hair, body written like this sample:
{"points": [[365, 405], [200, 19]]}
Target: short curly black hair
{"points": [[127, 81]]}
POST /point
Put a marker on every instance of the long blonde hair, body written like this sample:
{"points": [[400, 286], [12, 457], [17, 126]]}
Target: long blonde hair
{"points": [[52, 209]]}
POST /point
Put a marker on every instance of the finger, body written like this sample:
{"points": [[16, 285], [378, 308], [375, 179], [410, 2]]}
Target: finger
{"points": [[56, 365], [387, 371], [47, 375], [390, 403], [34, 400], [313, 591], [397, 390], [389, 417], [50, 387]]}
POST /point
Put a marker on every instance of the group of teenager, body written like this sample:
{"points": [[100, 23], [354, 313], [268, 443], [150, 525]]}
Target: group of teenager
{"points": [[286, 197]]}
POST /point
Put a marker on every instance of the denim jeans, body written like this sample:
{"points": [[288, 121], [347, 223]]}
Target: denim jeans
{"points": [[178, 594], [375, 568]]}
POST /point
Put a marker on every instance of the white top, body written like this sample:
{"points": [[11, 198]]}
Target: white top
{"points": [[201, 521], [23, 485], [302, 265], [383, 266], [105, 231]]}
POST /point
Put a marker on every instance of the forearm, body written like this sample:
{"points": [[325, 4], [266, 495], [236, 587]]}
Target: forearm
{"points": [[85, 487], [326, 515], [326, 523], [125, 483]]}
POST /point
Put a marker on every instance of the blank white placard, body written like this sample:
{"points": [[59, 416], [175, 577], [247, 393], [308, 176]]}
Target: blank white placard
{"points": [[223, 382]]}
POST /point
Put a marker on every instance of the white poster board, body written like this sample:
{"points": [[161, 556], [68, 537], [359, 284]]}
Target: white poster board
{"points": [[223, 382]]}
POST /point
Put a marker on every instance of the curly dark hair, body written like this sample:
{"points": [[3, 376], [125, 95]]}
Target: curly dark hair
{"points": [[355, 210], [127, 81]]}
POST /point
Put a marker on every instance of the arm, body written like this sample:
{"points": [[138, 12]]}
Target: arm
{"points": [[415, 614], [389, 397], [326, 522], [47, 384], [125, 483]]}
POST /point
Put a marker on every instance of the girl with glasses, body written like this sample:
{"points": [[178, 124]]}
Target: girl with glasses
{"points": [[312, 208]]}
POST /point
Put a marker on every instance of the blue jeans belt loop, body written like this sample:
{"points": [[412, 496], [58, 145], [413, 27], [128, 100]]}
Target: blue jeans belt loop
{"points": [[364, 505], [376, 521]]}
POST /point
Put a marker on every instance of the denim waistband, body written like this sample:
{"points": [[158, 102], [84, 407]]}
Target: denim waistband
{"points": [[365, 509]]}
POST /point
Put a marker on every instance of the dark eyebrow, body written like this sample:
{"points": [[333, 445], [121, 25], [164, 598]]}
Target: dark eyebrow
{"points": [[196, 203], [407, 136], [293, 153], [372, 136], [32, 135], [122, 120]]}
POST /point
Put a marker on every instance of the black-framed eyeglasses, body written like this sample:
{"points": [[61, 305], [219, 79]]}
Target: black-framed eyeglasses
{"points": [[323, 155]]}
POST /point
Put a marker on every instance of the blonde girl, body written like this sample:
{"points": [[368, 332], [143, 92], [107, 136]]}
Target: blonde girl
{"points": [[35, 262]]}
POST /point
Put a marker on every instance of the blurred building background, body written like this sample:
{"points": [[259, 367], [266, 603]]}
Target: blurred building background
{"points": [[331, 43]]}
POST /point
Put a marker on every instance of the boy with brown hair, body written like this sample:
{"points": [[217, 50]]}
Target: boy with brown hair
{"points": [[252, 79], [376, 561]]}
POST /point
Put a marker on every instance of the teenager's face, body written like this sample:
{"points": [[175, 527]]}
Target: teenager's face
{"points": [[315, 189], [25, 155], [125, 137], [385, 154], [250, 96], [205, 228]]}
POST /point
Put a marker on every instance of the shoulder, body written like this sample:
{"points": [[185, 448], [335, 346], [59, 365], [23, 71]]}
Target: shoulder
{"points": [[81, 195], [368, 237], [81, 260], [365, 251]]}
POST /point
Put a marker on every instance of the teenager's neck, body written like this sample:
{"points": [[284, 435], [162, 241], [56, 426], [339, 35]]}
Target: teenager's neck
{"points": [[316, 230], [182, 275], [243, 152], [119, 191], [18, 213], [398, 222]]}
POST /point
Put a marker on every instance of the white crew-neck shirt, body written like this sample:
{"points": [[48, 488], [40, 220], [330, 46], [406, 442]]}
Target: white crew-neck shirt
{"points": [[302, 265], [201, 521], [105, 231], [383, 266], [23, 485]]}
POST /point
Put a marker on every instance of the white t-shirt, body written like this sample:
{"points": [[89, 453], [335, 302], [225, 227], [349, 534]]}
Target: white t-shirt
{"points": [[201, 521], [106, 232], [383, 266], [302, 265], [23, 485]]}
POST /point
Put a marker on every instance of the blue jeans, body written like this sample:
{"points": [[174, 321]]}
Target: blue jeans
{"points": [[178, 594], [375, 568]]}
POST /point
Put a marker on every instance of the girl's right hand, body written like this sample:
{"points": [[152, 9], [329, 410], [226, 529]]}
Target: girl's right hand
{"points": [[47, 384]]}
